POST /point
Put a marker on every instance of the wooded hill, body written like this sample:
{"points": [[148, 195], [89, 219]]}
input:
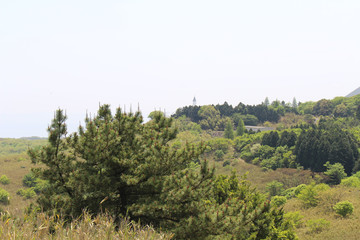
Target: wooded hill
{"points": [[180, 177]]}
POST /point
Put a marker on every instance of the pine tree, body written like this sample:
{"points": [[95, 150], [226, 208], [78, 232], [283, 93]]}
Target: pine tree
{"points": [[229, 130], [328, 142], [117, 164], [240, 130]]}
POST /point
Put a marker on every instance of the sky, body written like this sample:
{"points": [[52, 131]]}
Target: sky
{"points": [[159, 54]]}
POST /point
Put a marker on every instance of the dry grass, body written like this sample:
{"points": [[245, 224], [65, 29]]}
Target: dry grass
{"points": [[100, 227], [340, 228]]}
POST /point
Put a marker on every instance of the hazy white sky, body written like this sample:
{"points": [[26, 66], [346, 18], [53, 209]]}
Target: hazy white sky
{"points": [[74, 54]]}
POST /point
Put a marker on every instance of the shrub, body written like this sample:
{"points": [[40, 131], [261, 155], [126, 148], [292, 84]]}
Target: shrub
{"points": [[335, 171], [289, 193], [275, 188], [351, 182], [269, 164], [4, 179], [220, 144], [295, 218], [318, 225], [357, 174], [247, 156], [219, 154], [344, 208], [226, 163], [266, 152], [29, 180], [299, 188], [278, 200], [4, 196], [321, 187], [26, 193], [309, 196]]}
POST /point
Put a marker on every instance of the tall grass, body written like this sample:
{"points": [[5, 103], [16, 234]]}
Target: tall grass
{"points": [[52, 227], [340, 227]]}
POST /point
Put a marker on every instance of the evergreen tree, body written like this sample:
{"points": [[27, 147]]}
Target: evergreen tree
{"points": [[229, 130], [287, 139], [120, 165], [271, 139], [328, 142], [240, 130]]}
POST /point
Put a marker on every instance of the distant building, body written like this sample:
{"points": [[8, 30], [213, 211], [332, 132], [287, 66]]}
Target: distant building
{"points": [[194, 101], [259, 128]]}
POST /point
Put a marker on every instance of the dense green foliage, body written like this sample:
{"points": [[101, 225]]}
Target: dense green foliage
{"points": [[336, 172], [326, 143], [344, 208], [210, 116], [309, 196], [120, 165]]}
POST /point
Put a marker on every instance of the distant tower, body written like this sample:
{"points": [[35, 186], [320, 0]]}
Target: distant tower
{"points": [[194, 101]]}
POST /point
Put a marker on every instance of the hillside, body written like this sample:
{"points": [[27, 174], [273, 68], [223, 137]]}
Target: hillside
{"points": [[354, 93]]}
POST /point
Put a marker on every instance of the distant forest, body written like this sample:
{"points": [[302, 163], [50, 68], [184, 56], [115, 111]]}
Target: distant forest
{"points": [[214, 117]]}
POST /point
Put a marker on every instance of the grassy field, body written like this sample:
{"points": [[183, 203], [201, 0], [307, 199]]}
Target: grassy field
{"points": [[259, 178], [339, 227], [15, 167]]}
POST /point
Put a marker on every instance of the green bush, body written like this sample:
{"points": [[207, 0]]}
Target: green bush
{"points": [[220, 144], [29, 180], [318, 225], [26, 193], [344, 208], [226, 163], [278, 200], [289, 193], [351, 182], [219, 154], [295, 218], [357, 174], [299, 188], [4, 179], [309, 196], [321, 187], [335, 171], [247, 156], [275, 188], [4, 196], [269, 164]]}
